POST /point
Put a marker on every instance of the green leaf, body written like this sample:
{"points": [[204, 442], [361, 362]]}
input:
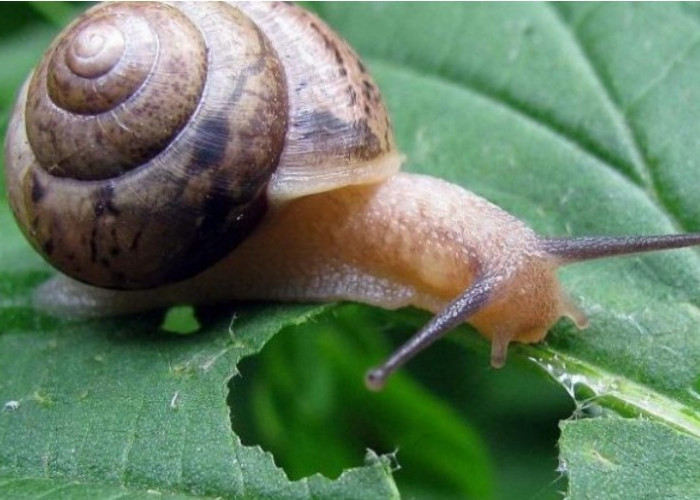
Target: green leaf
{"points": [[122, 404], [579, 119], [582, 119], [57, 13], [619, 457]]}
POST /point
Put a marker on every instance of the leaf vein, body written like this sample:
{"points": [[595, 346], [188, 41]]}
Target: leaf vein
{"points": [[606, 92], [130, 441], [51, 491], [571, 371], [665, 73], [645, 168]]}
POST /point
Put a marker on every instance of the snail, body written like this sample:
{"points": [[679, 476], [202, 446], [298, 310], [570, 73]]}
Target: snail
{"points": [[211, 152]]}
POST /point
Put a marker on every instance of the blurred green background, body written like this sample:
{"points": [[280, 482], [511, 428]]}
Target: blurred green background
{"points": [[457, 426]]}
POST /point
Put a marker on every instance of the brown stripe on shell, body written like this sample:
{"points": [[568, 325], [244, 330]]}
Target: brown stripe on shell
{"points": [[338, 121], [322, 126], [37, 190]]}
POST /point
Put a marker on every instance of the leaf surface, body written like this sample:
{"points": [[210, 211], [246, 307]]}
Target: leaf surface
{"points": [[578, 118]]}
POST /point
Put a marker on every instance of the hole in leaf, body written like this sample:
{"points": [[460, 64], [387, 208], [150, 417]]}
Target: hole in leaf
{"points": [[181, 320], [303, 398], [475, 432]]}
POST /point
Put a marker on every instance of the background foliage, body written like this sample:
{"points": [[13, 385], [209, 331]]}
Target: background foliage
{"points": [[579, 118]]}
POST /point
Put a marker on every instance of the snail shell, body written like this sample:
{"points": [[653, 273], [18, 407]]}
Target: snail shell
{"points": [[153, 138]]}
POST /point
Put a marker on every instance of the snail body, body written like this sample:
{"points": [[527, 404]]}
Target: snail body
{"points": [[275, 178]]}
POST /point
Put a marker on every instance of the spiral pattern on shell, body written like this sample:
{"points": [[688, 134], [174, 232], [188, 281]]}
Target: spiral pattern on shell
{"points": [[151, 138], [125, 80], [151, 133]]}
